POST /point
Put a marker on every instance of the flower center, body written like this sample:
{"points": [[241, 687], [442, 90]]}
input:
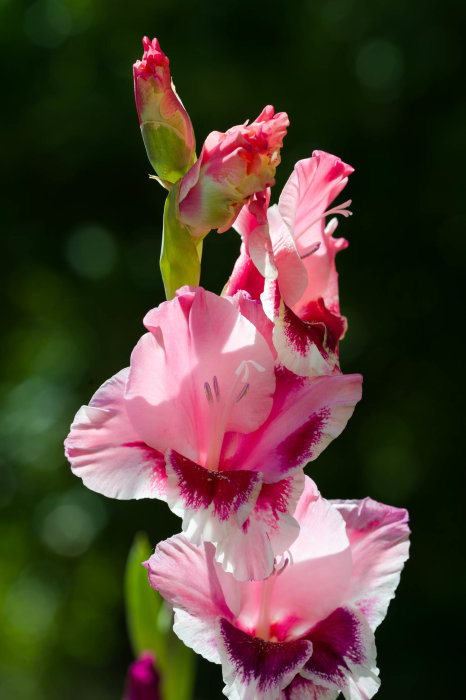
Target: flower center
{"points": [[221, 406], [264, 621]]}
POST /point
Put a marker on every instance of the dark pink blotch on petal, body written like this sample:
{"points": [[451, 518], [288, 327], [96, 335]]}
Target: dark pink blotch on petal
{"points": [[299, 446], [227, 491], [262, 663], [337, 642]]}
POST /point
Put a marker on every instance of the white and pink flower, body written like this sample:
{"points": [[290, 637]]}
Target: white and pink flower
{"points": [[306, 632], [300, 286], [205, 419]]}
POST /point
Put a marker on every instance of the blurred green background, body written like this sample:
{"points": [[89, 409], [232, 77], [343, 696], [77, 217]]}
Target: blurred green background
{"points": [[377, 83]]}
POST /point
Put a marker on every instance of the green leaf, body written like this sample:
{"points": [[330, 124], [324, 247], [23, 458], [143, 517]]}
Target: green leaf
{"points": [[150, 622], [143, 604], [180, 260], [167, 151]]}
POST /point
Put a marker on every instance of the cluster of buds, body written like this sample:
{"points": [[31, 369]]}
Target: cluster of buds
{"points": [[226, 400]]}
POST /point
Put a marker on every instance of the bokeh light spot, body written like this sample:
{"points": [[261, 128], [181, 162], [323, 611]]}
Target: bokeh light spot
{"points": [[91, 251], [47, 23], [379, 65]]}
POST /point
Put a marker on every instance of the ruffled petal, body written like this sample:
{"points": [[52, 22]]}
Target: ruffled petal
{"points": [[307, 414], [186, 576], [378, 535], [250, 551], [344, 656], [106, 451], [254, 669], [213, 505], [198, 342]]}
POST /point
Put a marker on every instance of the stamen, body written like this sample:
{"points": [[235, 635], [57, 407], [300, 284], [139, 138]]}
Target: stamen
{"points": [[242, 393], [340, 209], [216, 389], [208, 392], [311, 250]]}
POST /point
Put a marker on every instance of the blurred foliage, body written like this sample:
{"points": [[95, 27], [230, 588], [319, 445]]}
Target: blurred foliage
{"points": [[377, 83], [150, 621]]}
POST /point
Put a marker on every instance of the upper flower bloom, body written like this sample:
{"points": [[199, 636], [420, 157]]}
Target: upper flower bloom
{"points": [[305, 633], [301, 286], [142, 682], [232, 167], [205, 420], [166, 128]]}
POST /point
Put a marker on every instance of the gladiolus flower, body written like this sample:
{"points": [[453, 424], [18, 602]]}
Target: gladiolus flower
{"points": [[301, 291], [142, 682], [305, 633], [205, 420], [231, 168], [165, 125]]}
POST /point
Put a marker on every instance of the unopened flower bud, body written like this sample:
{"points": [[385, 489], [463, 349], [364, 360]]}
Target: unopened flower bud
{"points": [[165, 125]]}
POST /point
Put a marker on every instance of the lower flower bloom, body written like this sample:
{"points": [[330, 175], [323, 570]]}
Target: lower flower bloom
{"points": [[306, 632]]}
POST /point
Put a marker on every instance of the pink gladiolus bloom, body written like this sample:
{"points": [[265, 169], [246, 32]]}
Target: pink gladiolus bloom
{"points": [[301, 287], [205, 420], [305, 633], [231, 168], [142, 682], [166, 127]]}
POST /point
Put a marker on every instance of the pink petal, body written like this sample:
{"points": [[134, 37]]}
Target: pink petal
{"points": [[314, 583], [256, 669], [106, 451], [292, 275], [245, 276], [343, 655], [307, 344], [195, 340], [378, 536], [186, 576], [312, 186], [302, 689], [250, 551], [213, 505], [307, 414]]}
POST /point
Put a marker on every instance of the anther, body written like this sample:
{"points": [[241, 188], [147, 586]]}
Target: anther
{"points": [[216, 389], [208, 392], [242, 393]]}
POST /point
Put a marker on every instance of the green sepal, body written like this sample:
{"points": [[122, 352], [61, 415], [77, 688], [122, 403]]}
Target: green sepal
{"points": [[167, 151], [150, 621], [180, 259]]}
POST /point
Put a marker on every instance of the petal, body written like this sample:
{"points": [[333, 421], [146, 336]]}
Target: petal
{"points": [[245, 276], [106, 451], [378, 535], [195, 340], [344, 655], [312, 186], [212, 504], [303, 689], [308, 344], [307, 414], [292, 275], [314, 583], [250, 551], [252, 309], [254, 669], [186, 576]]}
